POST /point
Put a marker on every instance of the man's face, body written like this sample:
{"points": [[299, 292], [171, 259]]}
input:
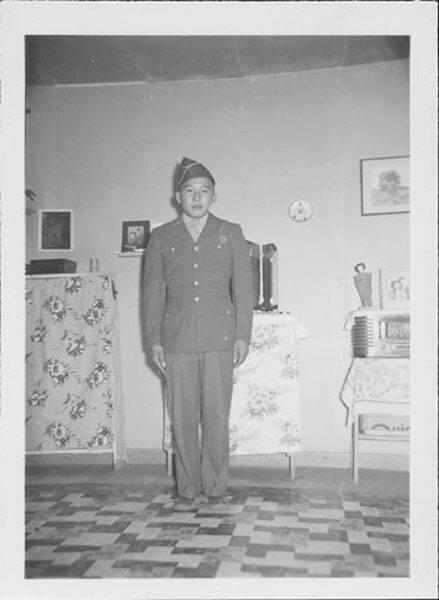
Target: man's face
{"points": [[195, 196]]}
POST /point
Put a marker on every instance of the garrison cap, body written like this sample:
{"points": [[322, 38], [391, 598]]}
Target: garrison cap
{"points": [[190, 168]]}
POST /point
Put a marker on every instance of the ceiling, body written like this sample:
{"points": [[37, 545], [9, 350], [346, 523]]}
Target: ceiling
{"points": [[58, 60]]}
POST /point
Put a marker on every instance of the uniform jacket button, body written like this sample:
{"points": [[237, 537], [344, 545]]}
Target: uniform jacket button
{"points": [[196, 283], [225, 338], [196, 248], [195, 265], [197, 298]]}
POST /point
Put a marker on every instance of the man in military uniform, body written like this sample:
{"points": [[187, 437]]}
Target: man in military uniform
{"points": [[198, 313]]}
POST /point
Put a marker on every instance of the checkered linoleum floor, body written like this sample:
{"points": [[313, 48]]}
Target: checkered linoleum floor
{"points": [[101, 530]]}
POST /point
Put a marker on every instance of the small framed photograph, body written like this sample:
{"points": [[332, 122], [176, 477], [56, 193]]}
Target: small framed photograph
{"points": [[55, 230], [385, 185], [135, 236], [394, 289]]}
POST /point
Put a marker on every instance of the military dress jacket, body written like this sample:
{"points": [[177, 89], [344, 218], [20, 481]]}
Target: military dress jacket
{"points": [[198, 296]]}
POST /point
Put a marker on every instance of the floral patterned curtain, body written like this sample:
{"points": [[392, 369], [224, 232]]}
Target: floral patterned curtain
{"points": [[264, 416], [73, 397]]}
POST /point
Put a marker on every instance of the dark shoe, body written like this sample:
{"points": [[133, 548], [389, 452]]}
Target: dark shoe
{"points": [[222, 499], [183, 503]]}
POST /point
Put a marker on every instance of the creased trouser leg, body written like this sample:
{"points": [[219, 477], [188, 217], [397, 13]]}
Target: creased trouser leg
{"points": [[184, 393], [200, 382], [217, 376]]}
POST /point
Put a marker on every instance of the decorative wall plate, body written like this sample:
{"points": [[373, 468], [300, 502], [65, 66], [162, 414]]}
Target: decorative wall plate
{"points": [[300, 211]]}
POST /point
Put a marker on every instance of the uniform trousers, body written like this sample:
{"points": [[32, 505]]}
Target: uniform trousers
{"points": [[199, 386]]}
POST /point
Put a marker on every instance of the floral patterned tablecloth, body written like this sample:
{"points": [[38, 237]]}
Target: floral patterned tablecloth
{"points": [[264, 416], [376, 380], [73, 398]]}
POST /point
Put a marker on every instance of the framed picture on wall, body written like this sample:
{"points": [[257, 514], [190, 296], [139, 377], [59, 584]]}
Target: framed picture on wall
{"points": [[394, 289], [55, 230], [385, 185], [135, 236]]}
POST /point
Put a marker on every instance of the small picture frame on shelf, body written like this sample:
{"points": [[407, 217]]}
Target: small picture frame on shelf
{"points": [[55, 230], [394, 289], [385, 185], [135, 236]]}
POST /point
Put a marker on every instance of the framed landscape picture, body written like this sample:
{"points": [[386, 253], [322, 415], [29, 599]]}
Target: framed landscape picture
{"points": [[55, 230], [385, 185], [135, 236], [394, 289]]}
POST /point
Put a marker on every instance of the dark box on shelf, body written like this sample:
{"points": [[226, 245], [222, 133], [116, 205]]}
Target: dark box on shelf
{"points": [[51, 265]]}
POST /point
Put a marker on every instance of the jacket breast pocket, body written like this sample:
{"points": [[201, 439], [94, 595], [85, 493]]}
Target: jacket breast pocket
{"points": [[221, 254], [170, 258], [170, 251]]}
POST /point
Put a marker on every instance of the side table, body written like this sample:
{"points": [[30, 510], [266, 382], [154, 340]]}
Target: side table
{"points": [[375, 387]]}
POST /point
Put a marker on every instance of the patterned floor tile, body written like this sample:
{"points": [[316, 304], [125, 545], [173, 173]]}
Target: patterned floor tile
{"points": [[205, 541], [104, 531], [244, 529], [96, 539], [229, 569], [65, 558], [260, 537], [101, 568], [319, 569], [325, 547], [40, 552]]}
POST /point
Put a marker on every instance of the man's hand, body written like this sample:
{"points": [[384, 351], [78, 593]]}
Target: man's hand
{"points": [[240, 351], [158, 358]]}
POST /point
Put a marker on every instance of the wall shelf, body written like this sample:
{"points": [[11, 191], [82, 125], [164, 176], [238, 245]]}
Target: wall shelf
{"points": [[130, 254]]}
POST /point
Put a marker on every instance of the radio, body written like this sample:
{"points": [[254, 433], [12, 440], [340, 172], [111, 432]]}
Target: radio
{"points": [[381, 334]]}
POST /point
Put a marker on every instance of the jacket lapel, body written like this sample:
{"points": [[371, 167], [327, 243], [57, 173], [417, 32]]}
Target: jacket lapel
{"points": [[180, 231], [211, 228]]}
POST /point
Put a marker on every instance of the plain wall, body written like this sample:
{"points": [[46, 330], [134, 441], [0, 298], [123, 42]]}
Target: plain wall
{"points": [[108, 153]]}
